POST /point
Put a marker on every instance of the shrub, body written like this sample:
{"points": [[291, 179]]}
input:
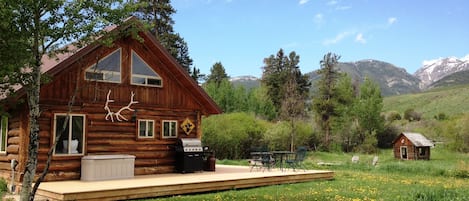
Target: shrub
{"points": [[385, 138], [441, 116], [278, 136], [3, 187], [232, 135], [393, 115], [412, 115]]}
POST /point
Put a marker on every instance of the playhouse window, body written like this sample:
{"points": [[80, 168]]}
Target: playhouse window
{"points": [[169, 129], [3, 134], [143, 74], [71, 129], [146, 128], [107, 69]]}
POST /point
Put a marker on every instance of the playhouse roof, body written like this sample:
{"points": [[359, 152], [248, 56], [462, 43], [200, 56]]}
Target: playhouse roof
{"points": [[417, 139]]}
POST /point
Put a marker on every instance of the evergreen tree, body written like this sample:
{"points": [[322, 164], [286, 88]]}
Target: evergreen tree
{"points": [[325, 101], [157, 13], [277, 71], [217, 74]]}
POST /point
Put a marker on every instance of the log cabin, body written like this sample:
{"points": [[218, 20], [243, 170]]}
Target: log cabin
{"points": [[130, 98], [412, 146]]}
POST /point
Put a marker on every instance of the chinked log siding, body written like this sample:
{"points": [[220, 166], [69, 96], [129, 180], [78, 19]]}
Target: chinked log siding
{"points": [[179, 98]]}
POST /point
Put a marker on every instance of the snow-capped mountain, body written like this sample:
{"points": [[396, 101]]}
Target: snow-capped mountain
{"points": [[434, 70]]}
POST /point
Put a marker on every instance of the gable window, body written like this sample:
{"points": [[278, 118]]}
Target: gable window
{"points": [[3, 133], [146, 128], [169, 129], [71, 132], [143, 74], [107, 69]]}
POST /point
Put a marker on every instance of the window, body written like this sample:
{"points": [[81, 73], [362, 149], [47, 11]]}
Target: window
{"points": [[169, 129], [145, 128], [107, 69], [143, 74], [71, 132], [422, 151], [3, 133]]}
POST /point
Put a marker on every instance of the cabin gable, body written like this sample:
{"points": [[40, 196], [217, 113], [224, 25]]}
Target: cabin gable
{"points": [[128, 98]]}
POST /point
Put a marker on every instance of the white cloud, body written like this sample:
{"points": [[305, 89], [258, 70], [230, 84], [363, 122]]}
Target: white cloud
{"points": [[392, 20], [339, 37], [332, 2], [359, 38], [303, 2], [318, 19], [343, 7]]}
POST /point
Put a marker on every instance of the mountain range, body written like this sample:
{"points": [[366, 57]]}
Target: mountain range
{"points": [[394, 80]]}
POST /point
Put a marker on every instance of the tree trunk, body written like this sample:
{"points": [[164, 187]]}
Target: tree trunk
{"points": [[34, 112]]}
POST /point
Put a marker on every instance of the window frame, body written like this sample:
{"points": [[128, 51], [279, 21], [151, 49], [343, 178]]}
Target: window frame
{"points": [[83, 140], [3, 133], [171, 134], [147, 128], [90, 69], [146, 77]]}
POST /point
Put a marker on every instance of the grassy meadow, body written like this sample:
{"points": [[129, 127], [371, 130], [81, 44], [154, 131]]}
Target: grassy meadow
{"points": [[444, 177], [449, 100]]}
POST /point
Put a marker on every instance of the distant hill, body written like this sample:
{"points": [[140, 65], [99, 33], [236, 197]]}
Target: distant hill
{"points": [[449, 100], [458, 78], [433, 71], [247, 81], [391, 79]]}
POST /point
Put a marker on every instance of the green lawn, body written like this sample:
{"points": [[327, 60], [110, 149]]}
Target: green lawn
{"points": [[444, 177]]}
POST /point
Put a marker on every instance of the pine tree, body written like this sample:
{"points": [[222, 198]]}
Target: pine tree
{"points": [[325, 101], [277, 71], [217, 74]]}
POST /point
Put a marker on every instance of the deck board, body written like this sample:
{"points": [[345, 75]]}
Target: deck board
{"points": [[224, 178]]}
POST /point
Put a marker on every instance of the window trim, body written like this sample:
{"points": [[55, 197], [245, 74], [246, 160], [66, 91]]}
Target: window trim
{"points": [[146, 77], [106, 72], [172, 135], [69, 136], [146, 125], [3, 135]]}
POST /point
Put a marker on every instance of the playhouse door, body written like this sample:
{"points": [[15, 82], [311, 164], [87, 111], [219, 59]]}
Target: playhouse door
{"points": [[403, 152]]}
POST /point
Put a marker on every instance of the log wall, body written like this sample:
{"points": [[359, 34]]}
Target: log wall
{"points": [[175, 100]]}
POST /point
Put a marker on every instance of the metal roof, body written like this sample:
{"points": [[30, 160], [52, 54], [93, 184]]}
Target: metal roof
{"points": [[418, 139]]}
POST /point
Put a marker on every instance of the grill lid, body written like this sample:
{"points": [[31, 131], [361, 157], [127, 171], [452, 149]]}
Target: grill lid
{"points": [[190, 144]]}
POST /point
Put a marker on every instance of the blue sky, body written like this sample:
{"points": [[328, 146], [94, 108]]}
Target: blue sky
{"points": [[241, 33]]}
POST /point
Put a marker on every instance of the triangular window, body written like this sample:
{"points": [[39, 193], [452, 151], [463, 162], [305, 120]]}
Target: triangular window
{"points": [[143, 74], [107, 69]]}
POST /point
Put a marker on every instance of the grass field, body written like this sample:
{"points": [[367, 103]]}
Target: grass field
{"points": [[444, 177], [449, 100]]}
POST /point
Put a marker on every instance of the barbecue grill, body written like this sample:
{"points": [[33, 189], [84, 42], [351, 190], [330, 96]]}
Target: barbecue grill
{"points": [[189, 155]]}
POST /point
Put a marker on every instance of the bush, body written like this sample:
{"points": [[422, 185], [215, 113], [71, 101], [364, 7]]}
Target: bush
{"points": [[278, 136], [3, 187], [232, 135], [441, 116], [412, 115], [385, 138], [393, 115]]}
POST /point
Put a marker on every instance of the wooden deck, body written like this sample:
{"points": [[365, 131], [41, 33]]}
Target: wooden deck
{"points": [[224, 178]]}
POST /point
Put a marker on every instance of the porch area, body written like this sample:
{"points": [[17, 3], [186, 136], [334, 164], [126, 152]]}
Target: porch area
{"points": [[224, 178]]}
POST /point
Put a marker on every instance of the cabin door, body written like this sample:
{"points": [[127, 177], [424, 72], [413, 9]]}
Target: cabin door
{"points": [[403, 152]]}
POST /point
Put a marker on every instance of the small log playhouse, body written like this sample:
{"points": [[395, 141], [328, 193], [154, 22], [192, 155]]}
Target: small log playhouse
{"points": [[412, 146], [131, 99]]}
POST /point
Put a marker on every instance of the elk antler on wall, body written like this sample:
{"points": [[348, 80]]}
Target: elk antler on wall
{"points": [[110, 114]]}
